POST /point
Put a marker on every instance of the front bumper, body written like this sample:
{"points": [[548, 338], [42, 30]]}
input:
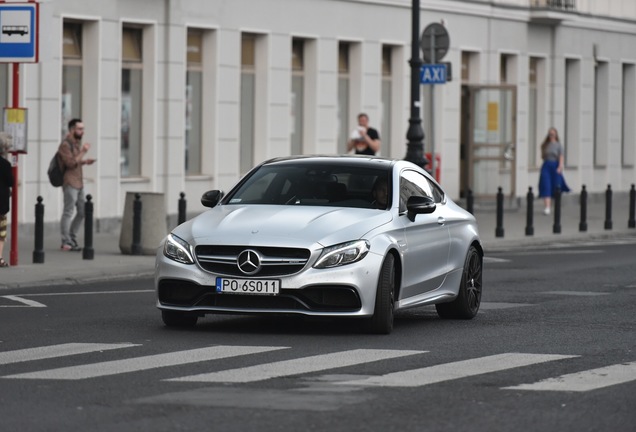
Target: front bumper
{"points": [[343, 291]]}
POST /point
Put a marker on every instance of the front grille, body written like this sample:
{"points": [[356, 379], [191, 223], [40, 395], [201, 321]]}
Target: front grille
{"points": [[321, 298], [222, 260]]}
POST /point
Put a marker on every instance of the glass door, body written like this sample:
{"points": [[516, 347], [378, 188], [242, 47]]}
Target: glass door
{"points": [[491, 140]]}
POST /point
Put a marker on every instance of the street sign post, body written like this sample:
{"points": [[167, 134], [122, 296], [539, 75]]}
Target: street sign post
{"points": [[19, 32], [434, 42], [19, 43]]}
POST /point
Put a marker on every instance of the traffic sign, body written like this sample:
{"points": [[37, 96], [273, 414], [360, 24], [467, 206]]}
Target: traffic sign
{"points": [[19, 32], [434, 42], [433, 74]]}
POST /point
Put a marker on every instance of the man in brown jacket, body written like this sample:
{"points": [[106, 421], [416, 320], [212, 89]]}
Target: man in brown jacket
{"points": [[72, 153]]}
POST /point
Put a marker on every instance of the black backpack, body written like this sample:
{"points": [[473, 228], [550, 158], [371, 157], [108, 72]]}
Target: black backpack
{"points": [[56, 171]]}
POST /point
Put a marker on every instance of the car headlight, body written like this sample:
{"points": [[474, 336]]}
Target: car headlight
{"points": [[342, 254], [177, 249]]}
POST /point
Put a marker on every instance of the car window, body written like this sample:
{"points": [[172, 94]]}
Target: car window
{"points": [[413, 183], [438, 193], [312, 184]]}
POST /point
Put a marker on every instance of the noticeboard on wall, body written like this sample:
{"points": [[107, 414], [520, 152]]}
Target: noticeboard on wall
{"points": [[15, 124]]}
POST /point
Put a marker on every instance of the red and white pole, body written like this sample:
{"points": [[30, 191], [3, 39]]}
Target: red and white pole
{"points": [[13, 256]]}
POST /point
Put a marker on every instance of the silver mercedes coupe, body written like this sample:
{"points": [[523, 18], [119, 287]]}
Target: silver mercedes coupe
{"points": [[331, 236]]}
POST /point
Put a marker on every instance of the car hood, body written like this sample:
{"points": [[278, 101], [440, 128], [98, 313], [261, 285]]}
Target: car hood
{"points": [[294, 226]]}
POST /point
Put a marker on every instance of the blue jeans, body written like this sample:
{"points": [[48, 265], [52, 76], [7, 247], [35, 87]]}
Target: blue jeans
{"points": [[73, 200]]}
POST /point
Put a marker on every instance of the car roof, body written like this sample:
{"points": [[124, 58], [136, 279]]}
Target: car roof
{"points": [[349, 160]]}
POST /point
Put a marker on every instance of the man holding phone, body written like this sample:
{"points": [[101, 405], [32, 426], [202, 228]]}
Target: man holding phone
{"points": [[71, 153]]}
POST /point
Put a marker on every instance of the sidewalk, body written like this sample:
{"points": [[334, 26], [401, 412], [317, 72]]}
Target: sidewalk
{"points": [[69, 268], [515, 222]]}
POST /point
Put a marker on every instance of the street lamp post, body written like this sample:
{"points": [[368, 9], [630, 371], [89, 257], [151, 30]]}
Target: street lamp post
{"points": [[415, 134]]}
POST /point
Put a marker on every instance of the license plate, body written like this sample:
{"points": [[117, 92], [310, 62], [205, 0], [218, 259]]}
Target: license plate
{"points": [[248, 286]]}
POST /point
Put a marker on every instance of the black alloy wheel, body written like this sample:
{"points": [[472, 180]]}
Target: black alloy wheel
{"points": [[466, 304]]}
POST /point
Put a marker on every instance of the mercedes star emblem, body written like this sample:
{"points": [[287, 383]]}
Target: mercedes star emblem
{"points": [[249, 261]]}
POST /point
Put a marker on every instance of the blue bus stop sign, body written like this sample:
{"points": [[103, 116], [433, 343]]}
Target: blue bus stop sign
{"points": [[18, 32]]}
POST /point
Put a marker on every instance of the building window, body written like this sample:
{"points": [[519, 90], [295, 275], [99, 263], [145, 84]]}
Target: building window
{"points": [[387, 94], [503, 68], [297, 94], [193, 102], [533, 111], [508, 69], [470, 67], [248, 98], [343, 95], [601, 108], [71, 73], [131, 101], [465, 66], [628, 118], [571, 136]]}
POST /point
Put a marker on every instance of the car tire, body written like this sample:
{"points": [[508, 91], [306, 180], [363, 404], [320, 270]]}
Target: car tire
{"points": [[178, 319], [466, 304], [382, 320]]}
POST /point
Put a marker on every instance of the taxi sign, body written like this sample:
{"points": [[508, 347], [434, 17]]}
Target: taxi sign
{"points": [[433, 74]]}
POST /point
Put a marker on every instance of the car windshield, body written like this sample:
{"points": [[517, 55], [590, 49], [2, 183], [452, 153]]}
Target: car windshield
{"points": [[337, 185]]}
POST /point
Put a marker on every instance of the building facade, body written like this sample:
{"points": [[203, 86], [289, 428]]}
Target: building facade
{"points": [[188, 95]]}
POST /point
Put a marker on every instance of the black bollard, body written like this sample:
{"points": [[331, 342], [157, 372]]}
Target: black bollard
{"points": [[499, 231], [529, 211], [88, 253], [38, 252], [136, 231], [583, 199], [608, 208], [470, 201], [182, 208], [631, 223], [556, 228]]}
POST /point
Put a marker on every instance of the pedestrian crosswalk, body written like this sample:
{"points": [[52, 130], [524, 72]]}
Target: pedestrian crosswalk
{"points": [[455, 370], [346, 362], [585, 380], [62, 350], [298, 366], [137, 364]]}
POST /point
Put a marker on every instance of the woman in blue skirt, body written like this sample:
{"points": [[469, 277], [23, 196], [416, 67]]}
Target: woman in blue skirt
{"points": [[551, 176]]}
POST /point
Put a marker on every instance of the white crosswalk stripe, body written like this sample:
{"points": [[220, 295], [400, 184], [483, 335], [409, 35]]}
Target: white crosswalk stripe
{"points": [[585, 381], [298, 366], [574, 382], [22, 302], [143, 363], [455, 370], [52, 351]]}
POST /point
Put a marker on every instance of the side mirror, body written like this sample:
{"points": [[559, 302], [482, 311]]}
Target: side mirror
{"points": [[420, 205], [211, 198]]}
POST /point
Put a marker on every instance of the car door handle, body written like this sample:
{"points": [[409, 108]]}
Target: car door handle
{"points": [[441, 220]]}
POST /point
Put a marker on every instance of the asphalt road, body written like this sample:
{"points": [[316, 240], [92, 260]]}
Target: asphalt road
{"points": [[553, 348]]}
